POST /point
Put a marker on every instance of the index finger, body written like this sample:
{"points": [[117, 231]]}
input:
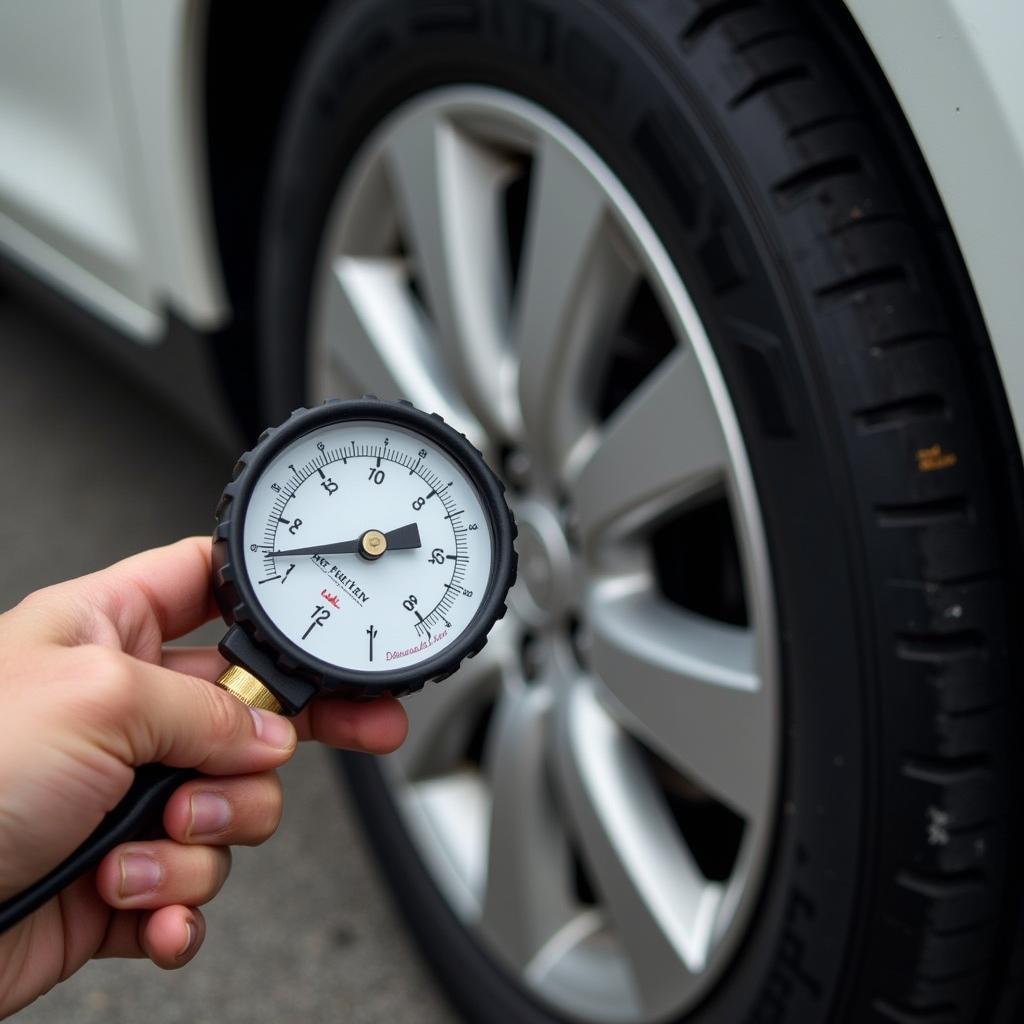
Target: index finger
{"points": [[377, 726], [374, 727], [138, 603]]}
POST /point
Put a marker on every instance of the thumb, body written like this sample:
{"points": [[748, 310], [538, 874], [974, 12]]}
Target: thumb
{"points": [[144, 713]]}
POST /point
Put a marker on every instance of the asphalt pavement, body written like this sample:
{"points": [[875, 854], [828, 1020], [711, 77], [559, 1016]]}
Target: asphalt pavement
{"points": [[93, 467]]}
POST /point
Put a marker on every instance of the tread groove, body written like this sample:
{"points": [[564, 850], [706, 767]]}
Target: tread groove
{"points": [[967, 579], [767, 36], [822, 122], [866, 218], [948, 771], [856, 284], [814, 174], [941, 884], [769, 81], [937, 647], [985, 924], [932, 512], [898, 341], [933, 583], [703, 21], [902, 411], [979, 711], [944, 1013]]}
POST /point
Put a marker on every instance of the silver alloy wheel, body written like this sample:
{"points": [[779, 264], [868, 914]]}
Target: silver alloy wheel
{"points": [[544, 760]]}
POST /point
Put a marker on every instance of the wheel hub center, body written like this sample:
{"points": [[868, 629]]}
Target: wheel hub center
{"points": [[545, 564]]}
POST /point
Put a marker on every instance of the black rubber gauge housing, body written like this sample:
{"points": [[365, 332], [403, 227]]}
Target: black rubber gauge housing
{"points": [[258, 645]]}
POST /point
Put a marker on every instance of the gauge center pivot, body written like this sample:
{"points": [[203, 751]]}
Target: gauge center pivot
{"points": [[372, 545]]}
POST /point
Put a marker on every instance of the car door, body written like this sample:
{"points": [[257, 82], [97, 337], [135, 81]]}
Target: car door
{"points": [[71, 207]]}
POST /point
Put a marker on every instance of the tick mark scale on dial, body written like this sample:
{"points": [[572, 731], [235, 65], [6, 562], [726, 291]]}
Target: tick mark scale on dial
{"points": [[338, 642]]}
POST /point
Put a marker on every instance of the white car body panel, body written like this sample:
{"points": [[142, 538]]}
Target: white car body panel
{"points": [[103, 186], [164, 46], [65, 204]]}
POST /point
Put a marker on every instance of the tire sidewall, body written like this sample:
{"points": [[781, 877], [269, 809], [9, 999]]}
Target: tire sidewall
{"points": [[602, 71]]}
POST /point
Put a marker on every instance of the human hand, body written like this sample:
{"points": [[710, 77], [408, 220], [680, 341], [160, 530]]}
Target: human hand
{"points": [[89, 692]]}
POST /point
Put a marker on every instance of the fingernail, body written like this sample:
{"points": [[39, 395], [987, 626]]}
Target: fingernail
{"points": [[274, 730], [139, 874], [193, 934], [211, 814]]}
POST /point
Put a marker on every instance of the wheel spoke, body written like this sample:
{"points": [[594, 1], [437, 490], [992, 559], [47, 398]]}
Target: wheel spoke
{"points": [[526, 899], [662, 906], [663, 445], [575, 283], [448, 815], [449, 189], [689, 688], [442, 717], [382, 341]]}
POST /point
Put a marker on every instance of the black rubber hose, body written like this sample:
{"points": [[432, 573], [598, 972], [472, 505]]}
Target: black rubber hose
{"points": [[139, 812]]}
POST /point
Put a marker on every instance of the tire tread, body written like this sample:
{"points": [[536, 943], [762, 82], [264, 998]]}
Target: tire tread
{"points": [[876, 276]]}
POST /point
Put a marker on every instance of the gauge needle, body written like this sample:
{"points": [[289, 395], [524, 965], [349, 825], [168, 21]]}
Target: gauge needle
{"points": [[403, 538], [400, 539]]}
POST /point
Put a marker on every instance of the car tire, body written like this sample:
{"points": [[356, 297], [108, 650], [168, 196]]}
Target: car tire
{"points": [[850, 347]]}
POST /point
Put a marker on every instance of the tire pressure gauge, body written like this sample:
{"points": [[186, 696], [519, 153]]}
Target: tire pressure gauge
{"points": [[362, 548]]}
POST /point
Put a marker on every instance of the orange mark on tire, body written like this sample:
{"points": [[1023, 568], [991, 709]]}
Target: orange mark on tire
{"points": [[935, 457]]}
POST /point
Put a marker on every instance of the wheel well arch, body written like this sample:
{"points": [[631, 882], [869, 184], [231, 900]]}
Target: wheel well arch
{"points": [[249, 65]]}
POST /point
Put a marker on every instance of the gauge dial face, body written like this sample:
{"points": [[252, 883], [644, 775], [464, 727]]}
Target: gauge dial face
{"points": [[367, 546]]}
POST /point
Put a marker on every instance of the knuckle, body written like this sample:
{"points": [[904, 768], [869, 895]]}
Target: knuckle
{"points": [[271, 810], [50, 600], [217, 867], [276, 808], [223, 713], [211, 707], [109, 676], [37, 599]]}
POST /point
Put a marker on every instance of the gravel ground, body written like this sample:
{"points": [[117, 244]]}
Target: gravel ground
{"points": [[95, 469]]}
